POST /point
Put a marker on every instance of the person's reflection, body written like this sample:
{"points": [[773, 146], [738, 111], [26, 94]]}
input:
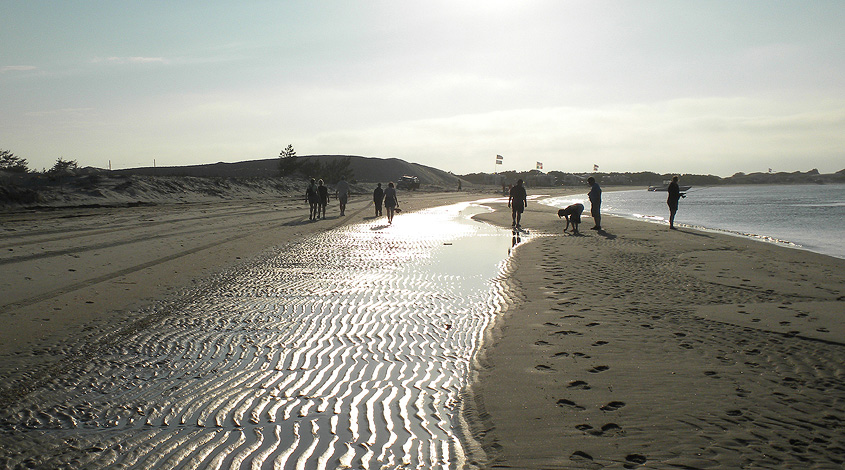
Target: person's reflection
{"points": [[517, 239]]}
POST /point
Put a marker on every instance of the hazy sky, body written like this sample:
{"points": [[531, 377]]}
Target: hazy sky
{"points": [[668, 86]]}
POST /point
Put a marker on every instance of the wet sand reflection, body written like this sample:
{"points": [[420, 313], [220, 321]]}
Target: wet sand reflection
{"points": [[346, 350]]}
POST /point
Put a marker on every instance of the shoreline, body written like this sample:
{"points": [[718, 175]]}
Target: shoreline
{"points": [[642, 345]]}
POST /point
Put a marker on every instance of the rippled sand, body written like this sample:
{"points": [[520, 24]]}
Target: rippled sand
{"points": [[348, 349]]}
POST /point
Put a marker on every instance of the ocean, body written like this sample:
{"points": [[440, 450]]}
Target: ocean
{"points": [[809, 217]]}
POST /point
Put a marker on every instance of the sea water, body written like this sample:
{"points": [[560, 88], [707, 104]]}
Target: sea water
{"points": [[811, 217]]}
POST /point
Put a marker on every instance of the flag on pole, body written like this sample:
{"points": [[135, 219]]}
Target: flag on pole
{"points": [[539, 165], [499, 159], [595, 168]]}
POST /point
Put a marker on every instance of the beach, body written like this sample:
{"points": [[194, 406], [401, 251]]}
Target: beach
{"points": [[666, 349], [636, 346]]}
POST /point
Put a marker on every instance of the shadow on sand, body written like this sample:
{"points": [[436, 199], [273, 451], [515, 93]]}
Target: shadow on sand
{"points": [[606, 234]]}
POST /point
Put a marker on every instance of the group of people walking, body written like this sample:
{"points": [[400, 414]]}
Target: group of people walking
{"points": [[317, 197], [388, 198]]}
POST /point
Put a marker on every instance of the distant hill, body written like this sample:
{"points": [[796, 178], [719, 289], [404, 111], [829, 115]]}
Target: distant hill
{"points": [[366, 170]]}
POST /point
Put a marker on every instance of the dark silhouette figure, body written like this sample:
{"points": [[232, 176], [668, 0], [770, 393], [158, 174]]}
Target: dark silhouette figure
{"points": [[323, 196], [378, 199], [313, 200], [675, 195], [595, 202], [391, 203], [573, 216], [517, 200], [341, 192]]}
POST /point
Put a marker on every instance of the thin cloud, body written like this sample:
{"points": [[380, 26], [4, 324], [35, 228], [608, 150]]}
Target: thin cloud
{"points": [[131, 60], [17, 68]]}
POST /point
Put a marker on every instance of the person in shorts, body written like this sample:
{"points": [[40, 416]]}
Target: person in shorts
{"points": [[517, 200]]}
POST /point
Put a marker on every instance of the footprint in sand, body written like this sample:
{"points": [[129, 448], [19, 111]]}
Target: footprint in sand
{"points": [[580, 384], [567, 333], [543, 368], [597, 369], [569, 404], [611, 429], [634, 460], [613, 406], [599, 343], [580, 455]]}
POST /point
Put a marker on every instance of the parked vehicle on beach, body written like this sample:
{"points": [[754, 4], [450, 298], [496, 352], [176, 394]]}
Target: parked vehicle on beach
{"points": [[408, 183]]}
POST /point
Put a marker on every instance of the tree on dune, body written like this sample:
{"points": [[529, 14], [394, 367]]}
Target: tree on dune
{"points": [[288, 163], [11, 162], [63, 167]]}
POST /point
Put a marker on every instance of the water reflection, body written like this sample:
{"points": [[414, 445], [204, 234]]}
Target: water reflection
{"points": [[349, 349]]}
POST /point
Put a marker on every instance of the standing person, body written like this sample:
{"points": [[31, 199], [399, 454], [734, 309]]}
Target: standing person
{"points": [[378, 199], [390, 201], [595, 202], [312, 199], [323, 196], [517, 201], [341, 192], [675, 195]]}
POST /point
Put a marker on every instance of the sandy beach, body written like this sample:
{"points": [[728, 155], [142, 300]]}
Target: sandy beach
{"points": [[636, 346], [641, 346]]}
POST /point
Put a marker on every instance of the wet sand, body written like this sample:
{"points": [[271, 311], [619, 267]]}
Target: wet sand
{"points": [[636, 346], [641, 346], [76, 273]]}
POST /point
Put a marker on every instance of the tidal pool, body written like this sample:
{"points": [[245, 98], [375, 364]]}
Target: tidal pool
{"points": [[346, 350]]}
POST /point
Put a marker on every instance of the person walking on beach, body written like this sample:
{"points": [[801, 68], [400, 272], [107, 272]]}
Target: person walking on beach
{"points": [[595, 202], [323, 196], [390, 201], [517, 201], [312, 199], [378, 199], [341, 192], [675, 195]]}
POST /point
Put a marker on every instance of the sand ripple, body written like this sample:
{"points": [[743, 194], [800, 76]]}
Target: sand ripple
{"points": [[348, 350]]}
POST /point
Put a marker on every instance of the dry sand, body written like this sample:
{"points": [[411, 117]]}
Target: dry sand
{"points": [[641, 346], [636, 346]]}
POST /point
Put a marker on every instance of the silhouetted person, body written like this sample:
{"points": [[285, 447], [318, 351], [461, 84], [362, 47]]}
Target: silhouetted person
{"points": [[573, 216], [675, 195], [595, 202], [517, 200], [341, 192], [378, 199], [390, 201], [313, 200], [323, 196]]}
